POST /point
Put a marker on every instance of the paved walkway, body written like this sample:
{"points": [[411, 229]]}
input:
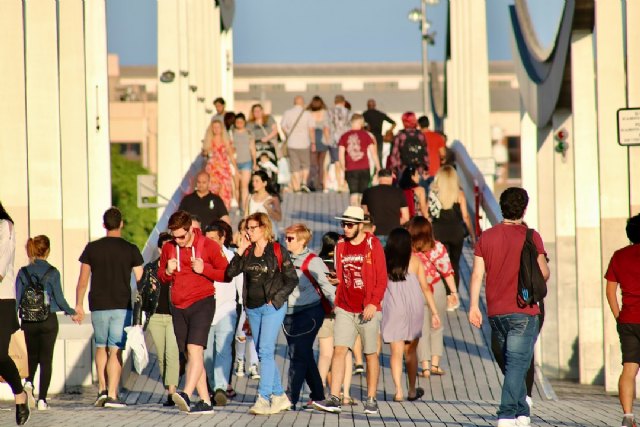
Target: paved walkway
{"points": [[466, 396]]}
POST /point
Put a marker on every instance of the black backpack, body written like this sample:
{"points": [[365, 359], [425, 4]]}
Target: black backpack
{"points": [[34, 304], [413, 149], [532, 288]]}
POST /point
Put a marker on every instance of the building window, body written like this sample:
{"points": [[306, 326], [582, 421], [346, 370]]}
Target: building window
{"points": [[324, 87], [380, 86], [130, 150], [266, 88]]}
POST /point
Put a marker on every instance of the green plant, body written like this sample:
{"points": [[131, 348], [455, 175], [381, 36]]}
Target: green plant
{"points": [[138, 223]]}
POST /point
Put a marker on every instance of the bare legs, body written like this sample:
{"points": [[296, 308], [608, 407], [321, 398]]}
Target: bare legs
{"points": [[408, 349], [627, 386], [109, 367], [196, 375]]}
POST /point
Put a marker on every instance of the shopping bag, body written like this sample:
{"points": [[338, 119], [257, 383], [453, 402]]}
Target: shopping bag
{"points": [[284, 174], [18, 353], [138, 347]]}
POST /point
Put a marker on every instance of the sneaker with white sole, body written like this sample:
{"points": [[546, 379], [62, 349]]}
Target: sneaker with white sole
{"points": [[280, 403], [254, 374], [43, 405], [202, 408], [628, 421], [523, 421], [507, 422], [240, 368], [115, 403], [261, 407], [371, 406], [332, 404], [101, 399], [28, 388], [182, 401]]}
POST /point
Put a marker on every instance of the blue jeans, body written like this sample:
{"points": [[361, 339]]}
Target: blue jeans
{"points": [[515, 335], [265, 323], [301, 330], [217, 357]]}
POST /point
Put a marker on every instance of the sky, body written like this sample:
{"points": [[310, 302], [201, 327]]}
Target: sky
{"points": [[317, 31]]}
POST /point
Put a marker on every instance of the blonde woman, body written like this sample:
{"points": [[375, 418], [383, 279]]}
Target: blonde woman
{"points": [[451, 221], [269, 279], [218, 149]]}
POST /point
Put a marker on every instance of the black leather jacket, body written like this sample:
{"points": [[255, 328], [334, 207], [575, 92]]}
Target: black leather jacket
{"points": [[279, 283], [147, 297]]}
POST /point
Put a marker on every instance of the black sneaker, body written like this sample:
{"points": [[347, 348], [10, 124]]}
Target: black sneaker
{"points": [[201, 408], [169, 402], [22, 413], [114, 403], [358, 369], [182, 400], [371, 406], [101, 399], [220, 397], [332, 404]]}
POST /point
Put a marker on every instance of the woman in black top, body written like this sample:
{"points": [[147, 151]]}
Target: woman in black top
{"points": [[269, 278], [153, 299]]}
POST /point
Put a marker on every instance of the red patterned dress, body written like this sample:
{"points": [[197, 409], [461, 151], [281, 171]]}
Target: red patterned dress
{"points": [[219, 169]]}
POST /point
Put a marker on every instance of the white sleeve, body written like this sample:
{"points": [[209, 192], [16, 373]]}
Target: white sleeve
{"points": [[6, 249]]}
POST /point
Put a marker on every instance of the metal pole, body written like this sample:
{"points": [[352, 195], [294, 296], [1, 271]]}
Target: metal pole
{"points": [[426, 101]]}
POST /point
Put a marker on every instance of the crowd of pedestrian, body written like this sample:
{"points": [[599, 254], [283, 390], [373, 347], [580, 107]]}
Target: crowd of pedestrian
{"points": [[215, 301]]}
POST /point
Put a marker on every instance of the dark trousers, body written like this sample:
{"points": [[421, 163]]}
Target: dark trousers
{"points": [[454, 248], [41, 339], [9, 322], [301, 329]]}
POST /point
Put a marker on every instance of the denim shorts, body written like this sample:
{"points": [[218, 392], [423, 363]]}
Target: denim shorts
{"points": [[108, 327], [246, 166]]}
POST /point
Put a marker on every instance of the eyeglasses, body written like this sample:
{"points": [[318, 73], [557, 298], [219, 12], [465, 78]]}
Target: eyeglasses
{"points": [[348, 225], [252, 227], [290, 238], [184, 236]]}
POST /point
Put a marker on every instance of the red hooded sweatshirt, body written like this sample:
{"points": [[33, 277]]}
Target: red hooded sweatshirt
{"points": [[189, 286]]}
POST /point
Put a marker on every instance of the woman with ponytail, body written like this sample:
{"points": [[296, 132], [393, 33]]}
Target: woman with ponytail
{"points": [[41, 335]]}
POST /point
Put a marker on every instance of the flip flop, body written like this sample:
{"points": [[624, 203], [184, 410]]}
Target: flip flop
{"points": [[419, 394], [398, 399], [436, 370], [426, 373]]}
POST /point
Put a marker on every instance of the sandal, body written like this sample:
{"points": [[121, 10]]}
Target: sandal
{"points": [[426, 373], [348, 401], [419, 394], [398, 399], [436, 370]]}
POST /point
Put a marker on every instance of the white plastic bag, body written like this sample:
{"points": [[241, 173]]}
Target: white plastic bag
{"points": [[284, 174], [138, 347]]}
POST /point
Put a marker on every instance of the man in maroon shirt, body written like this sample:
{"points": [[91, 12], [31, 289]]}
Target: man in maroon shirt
{"points": [[192, 263], [624, 270], [355, 148], [361, 272], [498, 254]]}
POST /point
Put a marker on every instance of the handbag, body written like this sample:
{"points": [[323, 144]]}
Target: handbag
{"points": [[18, 353]]}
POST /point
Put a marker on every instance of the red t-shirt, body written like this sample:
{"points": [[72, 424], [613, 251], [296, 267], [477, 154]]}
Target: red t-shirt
{"points": [[351, 287], [356, 143], [500, 248], [435, 142], [624, 268]]}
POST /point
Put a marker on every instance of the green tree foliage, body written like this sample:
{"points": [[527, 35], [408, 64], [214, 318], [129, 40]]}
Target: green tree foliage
{"points": [[138, 223]]}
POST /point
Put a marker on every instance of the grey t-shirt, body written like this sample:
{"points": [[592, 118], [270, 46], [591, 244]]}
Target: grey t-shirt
{"points": [[241, 143]]}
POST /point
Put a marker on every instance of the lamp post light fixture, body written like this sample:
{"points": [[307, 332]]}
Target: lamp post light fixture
{"points": [[419, 15]]}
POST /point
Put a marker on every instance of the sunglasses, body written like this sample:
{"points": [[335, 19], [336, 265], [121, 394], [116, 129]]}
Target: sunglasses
{"points": [[184, 236], [252, 227], [348, 225], [290, 238]]}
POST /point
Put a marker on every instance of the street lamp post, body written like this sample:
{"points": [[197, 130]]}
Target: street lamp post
{"points": [[420, 15]]}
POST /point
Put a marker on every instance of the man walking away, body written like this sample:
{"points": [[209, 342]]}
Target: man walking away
{"points": [[498, 254], [624, 270], [386, 204], [299, 127], [109, 262], [362, 280], [375, 119]]}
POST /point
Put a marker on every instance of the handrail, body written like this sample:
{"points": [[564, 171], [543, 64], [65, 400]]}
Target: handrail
{"points": [[476, 190], [151, 248]]}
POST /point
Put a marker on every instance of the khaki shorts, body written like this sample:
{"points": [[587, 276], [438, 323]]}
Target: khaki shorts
{"points": [[349, 325], [326, 330], [299, 159]]}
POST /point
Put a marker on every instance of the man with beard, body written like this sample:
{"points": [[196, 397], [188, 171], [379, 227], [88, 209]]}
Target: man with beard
{"points": [[362, 280]]}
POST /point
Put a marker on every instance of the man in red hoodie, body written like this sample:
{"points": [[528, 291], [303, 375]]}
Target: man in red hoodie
{"points": [[362, 280], [191, 262]]}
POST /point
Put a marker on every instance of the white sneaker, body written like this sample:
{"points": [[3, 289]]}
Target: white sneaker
{"points": [[523, 421], [261, 407], [240, 368], [28, 388], [43, 405], [507, 422], [254, 374], [280, 403], [529, 402]]}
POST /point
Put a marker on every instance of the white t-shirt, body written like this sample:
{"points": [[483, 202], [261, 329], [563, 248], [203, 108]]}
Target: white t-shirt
{"points": [[7, 259], [226, 293], [299, 136]]}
